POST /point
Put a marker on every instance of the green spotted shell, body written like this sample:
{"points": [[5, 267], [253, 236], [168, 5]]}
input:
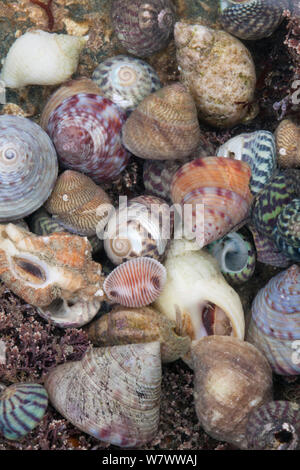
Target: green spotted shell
{"points": [[287, 231]]}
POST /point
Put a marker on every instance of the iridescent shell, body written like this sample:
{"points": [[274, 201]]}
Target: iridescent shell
{"points": [[288, 144], [22, 407], [286, 234], [28, 167], [126, 81], [236, 257], [143, 26], [267, 252], [164, 126], [215, 197], [275, 324], [258, 150], [130, 326], [143, 227], [274, 426], [251, 19], [113, 394], [136, 283]]}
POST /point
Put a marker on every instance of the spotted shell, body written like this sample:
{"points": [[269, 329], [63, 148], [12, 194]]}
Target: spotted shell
{"points": [[275, 324], [267, 252], [288, 144], [143, 27], [164, 126], [286, 234], [126, 81], [136, 283], [22, 407], [113, 394], [28, 167]]}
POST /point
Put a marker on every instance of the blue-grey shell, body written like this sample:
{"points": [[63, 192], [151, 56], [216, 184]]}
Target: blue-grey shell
{"points": [[286, 234]]}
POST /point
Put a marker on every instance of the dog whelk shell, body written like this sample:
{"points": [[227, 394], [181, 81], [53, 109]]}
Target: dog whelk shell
{"points": [[113, 394]]}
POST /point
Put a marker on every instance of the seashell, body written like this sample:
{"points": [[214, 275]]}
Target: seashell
{"points": [[144, 325], [214, 195], [113, 394], [275, 324], [218, 71], [251, 19], [287, 137], [164, 126], [41, 58], [143, 27], [27, 155], [267, 252], [126, 81], [236, 257], [43, 269], [232, 378], [86, 131], [22, 407], [78, 204], [274, 426], [136, 283], [286, 234], [143, 227], [70, 314], [258, 150]]}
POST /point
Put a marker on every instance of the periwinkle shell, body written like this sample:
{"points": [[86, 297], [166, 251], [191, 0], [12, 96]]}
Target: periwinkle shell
{"points": [[287, 231]]}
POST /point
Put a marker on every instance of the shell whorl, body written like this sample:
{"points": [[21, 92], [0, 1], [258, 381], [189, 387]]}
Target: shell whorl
{"points": [[286, 234], [288, 144]]}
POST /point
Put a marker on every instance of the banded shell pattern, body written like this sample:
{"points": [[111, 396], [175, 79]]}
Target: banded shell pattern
{"points": [[288, 144], [287, 231], [267, 252]]}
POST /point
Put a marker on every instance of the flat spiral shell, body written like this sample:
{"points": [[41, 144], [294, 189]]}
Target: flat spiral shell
{"points": [[286, 234], [28, 167]]}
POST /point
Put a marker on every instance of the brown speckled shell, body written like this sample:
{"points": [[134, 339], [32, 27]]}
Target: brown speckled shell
{"points": [[287, 137]]}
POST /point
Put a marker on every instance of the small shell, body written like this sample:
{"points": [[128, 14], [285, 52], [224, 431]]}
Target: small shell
{"points": [[286, 234], [267, 252], [22, 407], [27, 155], [136, 283], [143, 26], [113, 394], [126, 81], [70, 314], [41, 58], [164, 126], [288, 144]]}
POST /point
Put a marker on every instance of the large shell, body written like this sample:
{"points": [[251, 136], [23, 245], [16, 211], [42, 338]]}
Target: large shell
{"points": [[143, 26], [287, 231], [288, 144], [126, 81], [130, 325], [113, 394], [275, 322], [267, 252], [164, 126], [219, 72], [232, 378], [214, 195], [28, 167]]}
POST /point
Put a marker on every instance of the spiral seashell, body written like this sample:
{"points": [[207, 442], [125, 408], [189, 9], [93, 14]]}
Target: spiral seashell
{"points": [[267, 252], [218, 71], [144, 325], [236, 257], [28, 167], [275, 324], [113, 394], [143, 26], [143, 227], [126, 81], [286, 234], [274, 426], [136, 283], [287, 137], [70, 314], [258, 150], [41, 58], [164, 126], [251, 19], [214, 195], [22, 407]]}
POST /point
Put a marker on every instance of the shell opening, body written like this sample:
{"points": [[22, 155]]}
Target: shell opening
{"points": [[232, 254], [285, 436], [29, 271], [215, 321]]}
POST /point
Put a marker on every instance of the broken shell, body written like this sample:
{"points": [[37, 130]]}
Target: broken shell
{"points": [[288, 144], [69, 314]]}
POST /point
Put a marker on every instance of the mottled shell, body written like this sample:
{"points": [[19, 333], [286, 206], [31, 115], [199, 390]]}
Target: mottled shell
{"points": [[143, 26], [136, 283], [214, 195], [251, 19], [143, 227], [274, 426], [22, 407], [286, 234], [275, 322], [41, 58], [126, 81], [288, 144], [113, 394], [219, 72], [164, 126], [130, 325], [232, 378], [259, 151], [267, 252], [28, 167]]}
